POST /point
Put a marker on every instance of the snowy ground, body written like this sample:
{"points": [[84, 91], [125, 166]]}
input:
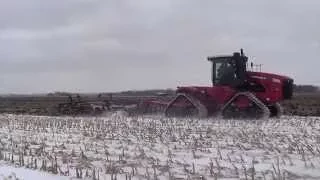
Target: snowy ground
{"points": [[9, 172], [118, 147]]}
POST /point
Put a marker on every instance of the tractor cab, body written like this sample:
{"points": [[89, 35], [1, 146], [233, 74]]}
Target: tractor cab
{"points": [[229, 70]]}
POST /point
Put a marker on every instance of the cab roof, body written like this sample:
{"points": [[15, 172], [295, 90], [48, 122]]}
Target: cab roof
{"points": [[212, 58]]}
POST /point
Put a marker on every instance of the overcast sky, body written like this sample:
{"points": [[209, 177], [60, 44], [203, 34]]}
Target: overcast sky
{"points": [[113, 45]]}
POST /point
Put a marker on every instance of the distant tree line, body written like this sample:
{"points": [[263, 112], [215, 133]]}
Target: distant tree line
{"points": [[148, 92], [305, 88], [296, 88], [58, 93]]}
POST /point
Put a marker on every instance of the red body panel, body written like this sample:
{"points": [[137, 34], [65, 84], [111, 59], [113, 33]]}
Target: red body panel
{"points": [[217, 94], [272, 83], [214, 97]]}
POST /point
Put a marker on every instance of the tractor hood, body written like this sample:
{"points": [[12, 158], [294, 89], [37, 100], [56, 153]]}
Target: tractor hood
{"points": [[263, 75]]}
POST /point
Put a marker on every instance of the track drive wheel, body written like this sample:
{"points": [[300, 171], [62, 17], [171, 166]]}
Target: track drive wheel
{"points": [[186, 105], [275, 110], [255, 109]]}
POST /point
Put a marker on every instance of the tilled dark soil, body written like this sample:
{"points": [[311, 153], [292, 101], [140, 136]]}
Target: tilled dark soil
{"points": [[302, 104]]}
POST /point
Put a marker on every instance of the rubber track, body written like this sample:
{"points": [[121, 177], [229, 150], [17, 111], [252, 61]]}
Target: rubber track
{"points": [[253, 98], [202, 109], [279, 109]]}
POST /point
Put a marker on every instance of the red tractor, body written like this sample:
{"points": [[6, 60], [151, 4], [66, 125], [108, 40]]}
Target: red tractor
{"points": [[236, 93]]}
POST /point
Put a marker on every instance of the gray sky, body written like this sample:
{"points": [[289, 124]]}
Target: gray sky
{"points": [[104, 45]]}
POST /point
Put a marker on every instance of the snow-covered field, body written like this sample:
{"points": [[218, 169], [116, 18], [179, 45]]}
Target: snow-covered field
{"points": [[119, 147]]}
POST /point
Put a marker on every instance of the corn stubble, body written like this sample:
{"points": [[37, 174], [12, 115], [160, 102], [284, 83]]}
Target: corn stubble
{"points": [[120, 147]]}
